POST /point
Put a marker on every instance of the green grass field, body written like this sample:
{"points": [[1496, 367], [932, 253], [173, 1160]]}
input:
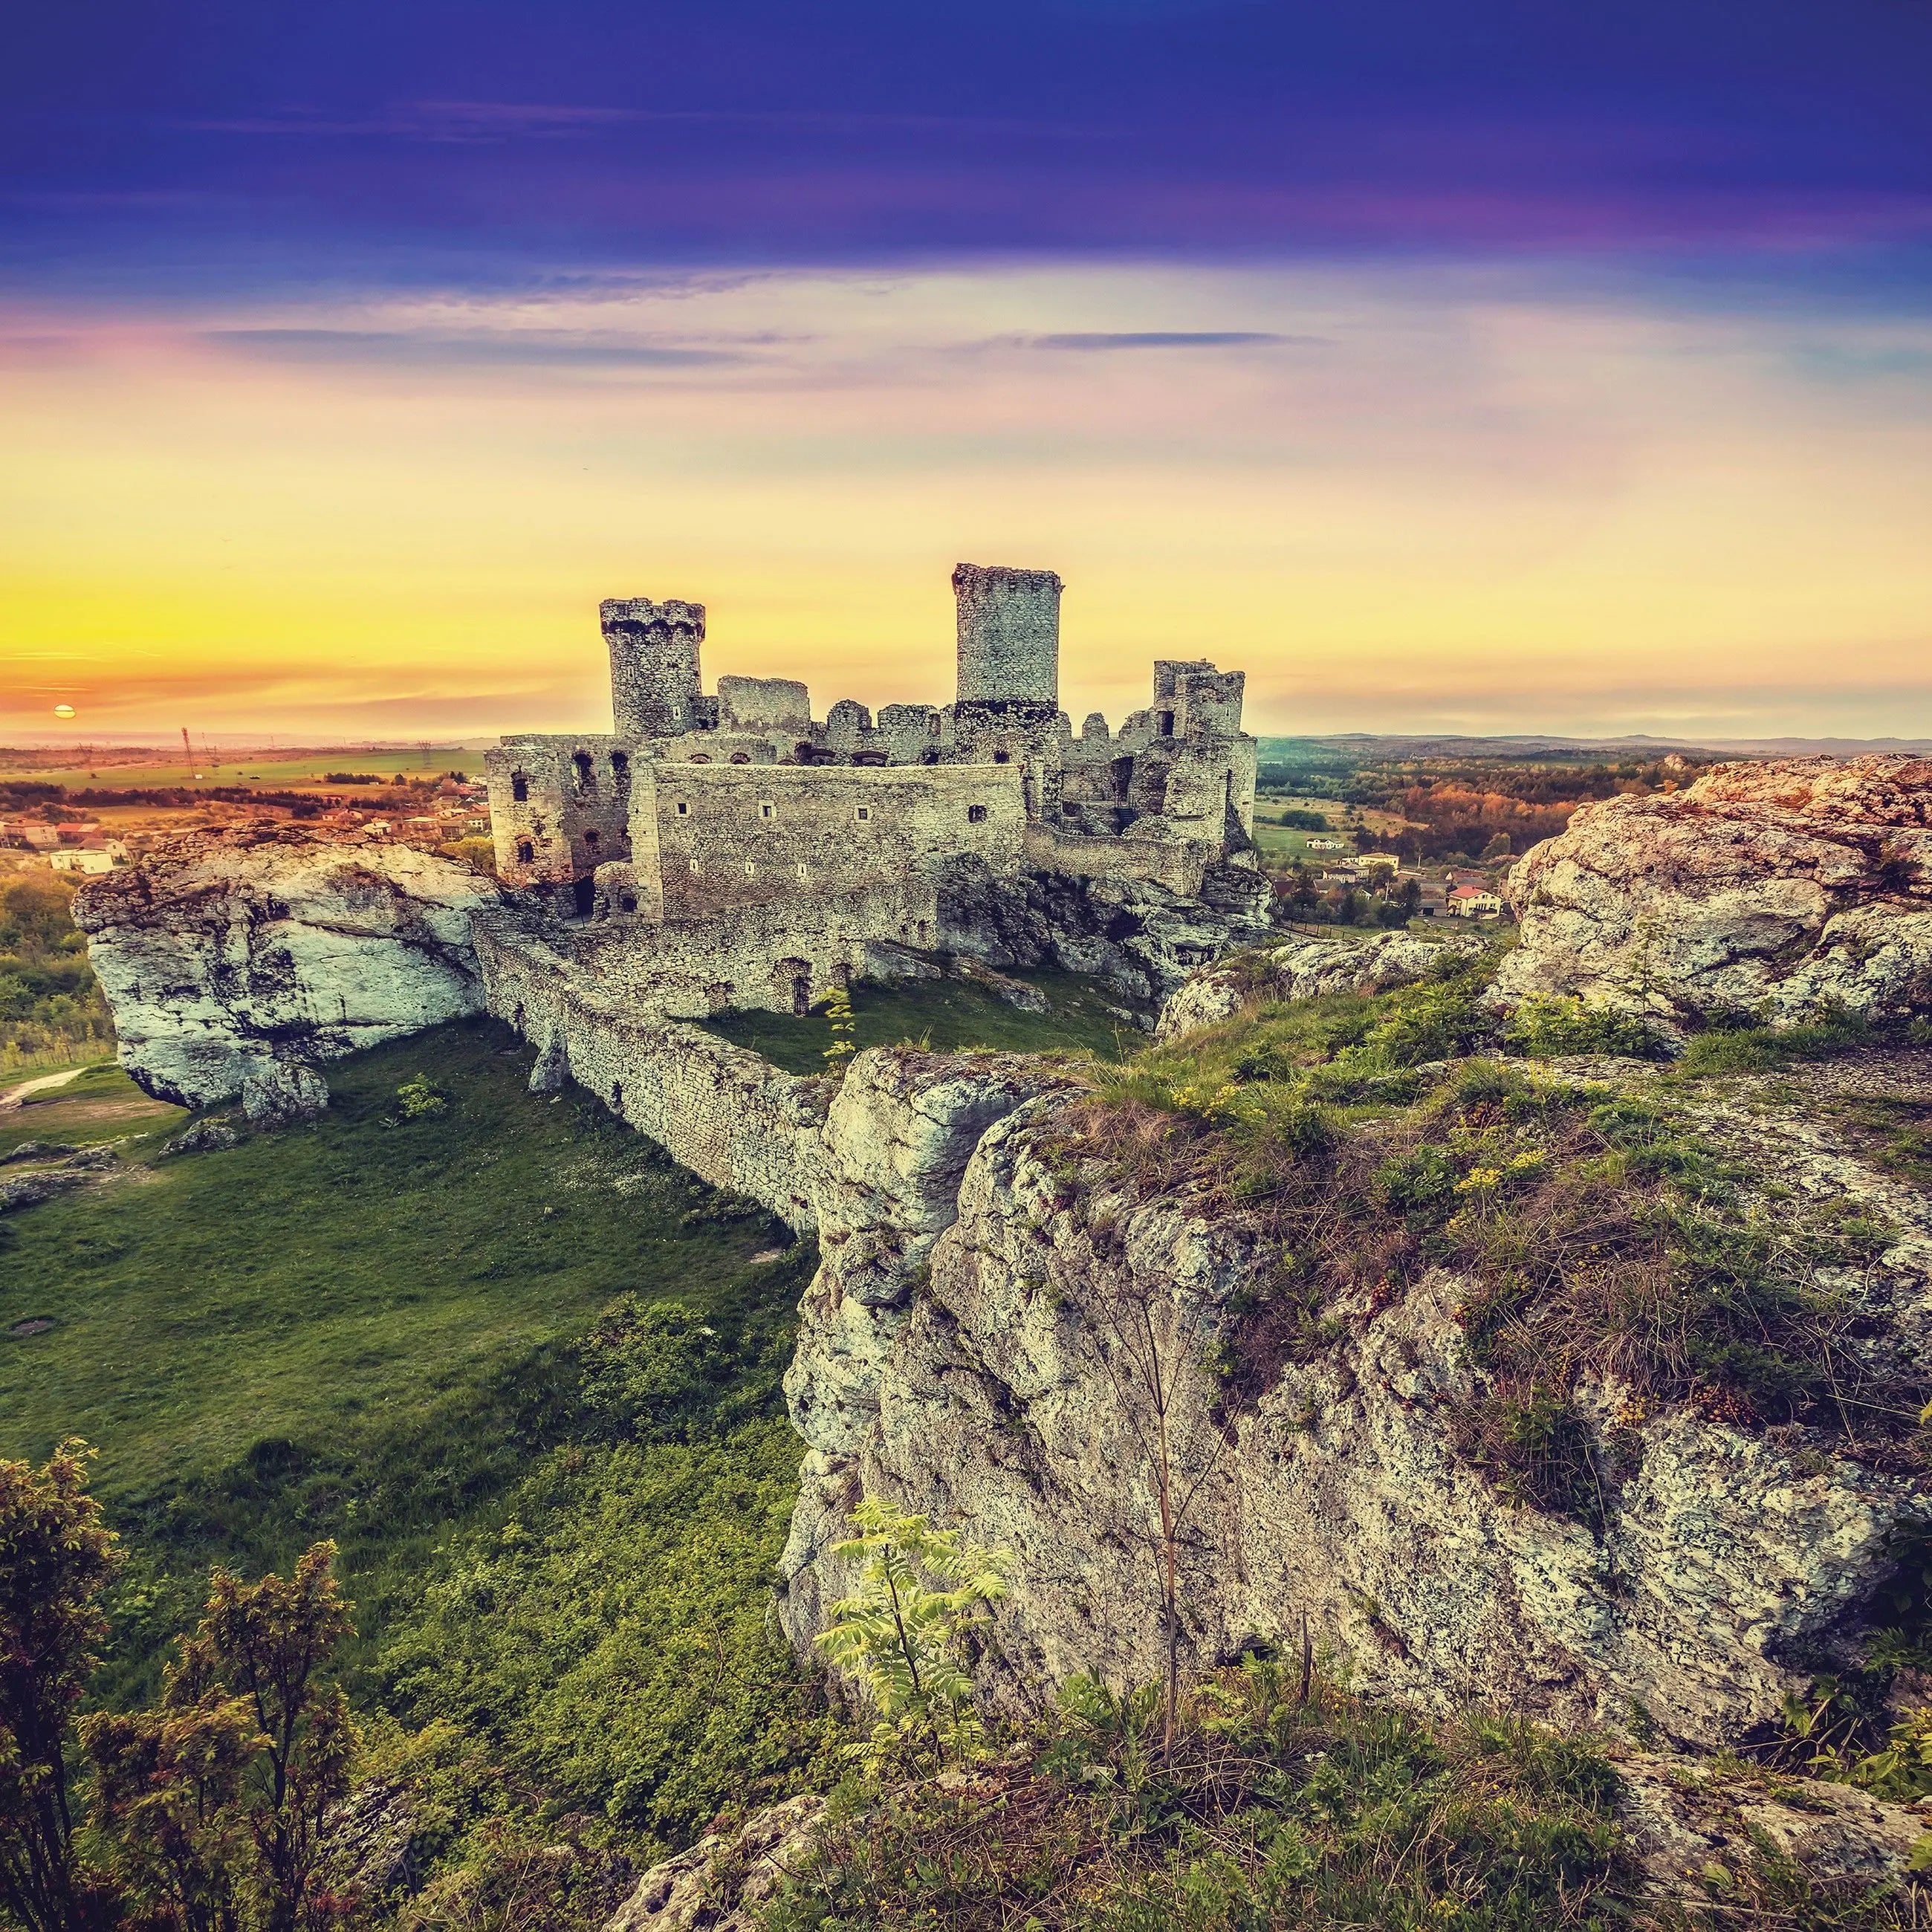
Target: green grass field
{"points": [[946, 1014], [350, 1329]]}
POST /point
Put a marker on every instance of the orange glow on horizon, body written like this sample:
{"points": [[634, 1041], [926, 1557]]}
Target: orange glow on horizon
{"points": [[1418, 507]]}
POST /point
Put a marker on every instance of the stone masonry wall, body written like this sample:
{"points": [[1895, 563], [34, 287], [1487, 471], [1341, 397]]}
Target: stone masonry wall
{"points": [[654, 667], [769, 957], [739, 835], [729, 1116]]}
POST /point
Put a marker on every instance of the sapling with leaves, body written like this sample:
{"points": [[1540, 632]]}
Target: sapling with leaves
{"points": [[920, 1589], [213, 1802], [844, 1023]]}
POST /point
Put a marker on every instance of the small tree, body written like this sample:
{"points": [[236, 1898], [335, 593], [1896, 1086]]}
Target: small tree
{"points": [[268, 1646], [919, 1590], [169, 1785], [844, 1023], [212, 1803], [56, 1558]]}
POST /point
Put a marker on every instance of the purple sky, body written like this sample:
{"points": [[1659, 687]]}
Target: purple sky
{"points": [[152, 151]]}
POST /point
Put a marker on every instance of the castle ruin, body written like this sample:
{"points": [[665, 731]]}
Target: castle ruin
{"points": [[730, 849]]}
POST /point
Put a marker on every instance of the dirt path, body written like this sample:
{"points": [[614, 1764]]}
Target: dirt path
{"points": [[14, 1096]]}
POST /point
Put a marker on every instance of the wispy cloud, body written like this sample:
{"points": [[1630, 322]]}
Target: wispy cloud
{"points": [[1165, 338], [471, 121], [528, 348]]}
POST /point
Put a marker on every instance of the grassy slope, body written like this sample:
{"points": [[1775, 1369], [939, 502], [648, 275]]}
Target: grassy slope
{"points": [[347, 1329], [945, 1014], [100, 1104]]}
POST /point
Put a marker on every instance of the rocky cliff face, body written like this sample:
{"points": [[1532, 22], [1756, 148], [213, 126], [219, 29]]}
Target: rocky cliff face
{"points": [[1141, 938], [985, 1340], [1783, 889], [236, 962]]}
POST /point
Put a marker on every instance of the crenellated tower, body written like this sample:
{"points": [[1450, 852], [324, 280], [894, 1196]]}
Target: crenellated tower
{"points": [[654, 664]]}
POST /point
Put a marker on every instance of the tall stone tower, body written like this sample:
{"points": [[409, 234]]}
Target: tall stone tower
{"points": [[1008, 635], [654, 663]]}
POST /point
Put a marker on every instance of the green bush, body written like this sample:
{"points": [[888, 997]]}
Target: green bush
{"points": [[1542, 1027]]}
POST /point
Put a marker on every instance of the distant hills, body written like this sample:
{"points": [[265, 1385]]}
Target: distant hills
{"points": [[1375, 746]]}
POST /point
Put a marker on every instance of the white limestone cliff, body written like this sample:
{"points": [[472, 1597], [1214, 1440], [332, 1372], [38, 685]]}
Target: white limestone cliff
{"points": [[237, 962], [967, 1352]]}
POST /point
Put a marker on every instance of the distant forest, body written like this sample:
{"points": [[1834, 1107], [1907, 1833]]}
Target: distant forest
{"points": [[1462, 807]]}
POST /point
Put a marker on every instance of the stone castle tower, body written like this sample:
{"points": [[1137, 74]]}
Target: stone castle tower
{"points": [[654, 678]]}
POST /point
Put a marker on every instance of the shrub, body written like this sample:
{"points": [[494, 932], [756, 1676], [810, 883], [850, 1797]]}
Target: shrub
{"points": [[1543, 1027], [920, 1591], [419, 1099]]}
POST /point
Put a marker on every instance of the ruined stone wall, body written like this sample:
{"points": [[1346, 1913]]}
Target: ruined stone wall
{"points": [[729, 1116], [1175, 862], [1009, 635], [574, 811], [777, 958], [737, 836]]}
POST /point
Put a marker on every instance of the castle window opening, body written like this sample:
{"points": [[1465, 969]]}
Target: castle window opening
{"points": [[592, 840], [620, 770], [1167, 724], [617, 1098], [751, 868], [583, 897], [804, 871], [683, 810], [1003, 758], [865, 813], [584, 773], [519, 786], [628, 903], [765, 808], [976, 814], [526, 853], [693, 867], [929, 758], [700, 757], [741, 757]]}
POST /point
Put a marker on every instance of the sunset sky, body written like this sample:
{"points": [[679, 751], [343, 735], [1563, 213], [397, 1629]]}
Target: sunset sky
{"points": [[1474, 365]]}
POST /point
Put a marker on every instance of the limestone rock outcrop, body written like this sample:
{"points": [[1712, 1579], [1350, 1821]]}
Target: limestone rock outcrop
{"points": [[1140, 937], [1781, 889], [720, 1883], [237, 962], [1303, 968], [986, 1358]]}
